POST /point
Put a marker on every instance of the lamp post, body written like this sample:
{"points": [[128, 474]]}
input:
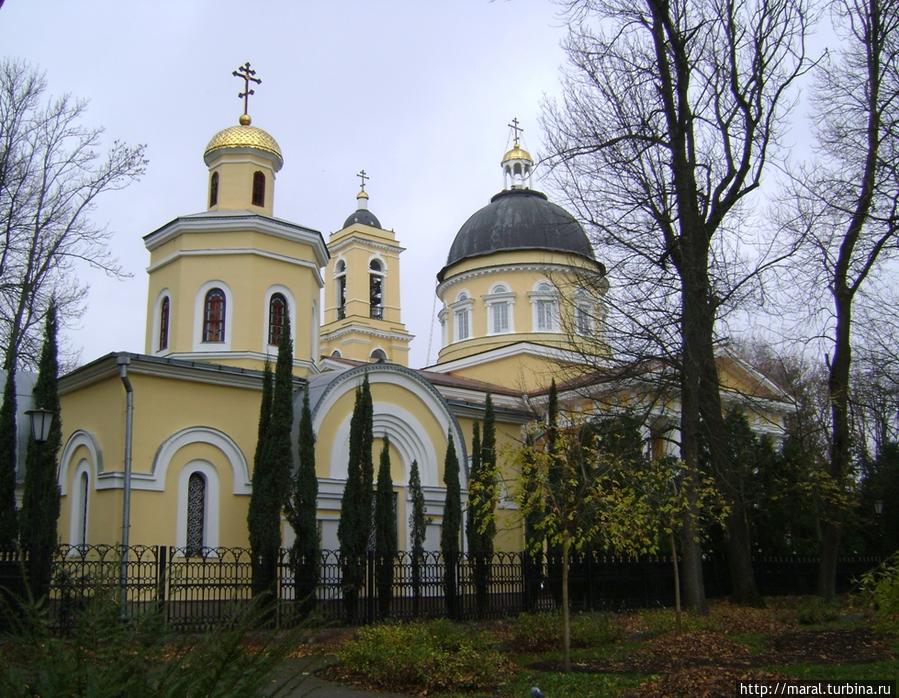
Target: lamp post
{"points": [[41, 421]]}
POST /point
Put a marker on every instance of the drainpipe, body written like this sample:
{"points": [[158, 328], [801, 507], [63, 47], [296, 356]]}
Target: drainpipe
{"points": [[123, 360]]}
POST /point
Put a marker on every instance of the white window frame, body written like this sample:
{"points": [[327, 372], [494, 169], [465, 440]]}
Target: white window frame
{"points": [[583, 310], [199, 315], [291, 313], [500, 295], [157, 323], [462, 308], [538, 297], [211, 513]]}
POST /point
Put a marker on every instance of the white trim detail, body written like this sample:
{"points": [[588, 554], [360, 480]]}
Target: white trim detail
{"points": [[305, 264], [206, 435], [211, 505], [199, 317], [79, 437]]}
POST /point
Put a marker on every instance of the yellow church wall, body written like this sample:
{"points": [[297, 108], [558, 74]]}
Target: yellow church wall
{"points": [[524, 372], [248, 278]]}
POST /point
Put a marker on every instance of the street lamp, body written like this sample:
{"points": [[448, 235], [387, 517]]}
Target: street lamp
{"points": [[878, 506], [41, 421]]}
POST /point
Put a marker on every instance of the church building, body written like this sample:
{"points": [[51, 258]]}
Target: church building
{"points": [[221, 284]]}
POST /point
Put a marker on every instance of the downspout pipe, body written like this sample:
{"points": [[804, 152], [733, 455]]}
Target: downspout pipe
{"points": [[123, 361]]}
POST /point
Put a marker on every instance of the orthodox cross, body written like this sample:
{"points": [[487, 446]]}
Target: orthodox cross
{"points": [[516, 129], [362, 177], [246, 74]]}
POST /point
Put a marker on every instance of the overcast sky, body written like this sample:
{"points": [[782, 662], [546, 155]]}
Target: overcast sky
{"points": [[417, 93]]}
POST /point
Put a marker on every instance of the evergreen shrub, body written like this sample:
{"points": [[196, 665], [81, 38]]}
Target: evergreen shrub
{"points": [[539, 632], [425, 656]]}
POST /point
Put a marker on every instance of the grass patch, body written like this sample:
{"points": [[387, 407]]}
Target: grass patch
{"points": [[535, 632]]}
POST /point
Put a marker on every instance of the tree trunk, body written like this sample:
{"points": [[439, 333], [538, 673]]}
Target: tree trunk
{"points": [[677, 611], [698, 326], [566, 611], [838, 389]]}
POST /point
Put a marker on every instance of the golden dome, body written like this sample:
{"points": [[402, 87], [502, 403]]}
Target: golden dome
{"points": [[245, 136], [517, 153]]}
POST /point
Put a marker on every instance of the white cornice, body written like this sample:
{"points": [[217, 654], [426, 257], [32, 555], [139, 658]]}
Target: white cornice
{"points": [[505, 268], [361, 329], [212, 223], [240, 251], [505, 352], [348, 241]]}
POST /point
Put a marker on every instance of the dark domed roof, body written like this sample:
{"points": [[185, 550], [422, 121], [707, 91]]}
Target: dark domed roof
{"points": [[363, 216], [518, 219]]}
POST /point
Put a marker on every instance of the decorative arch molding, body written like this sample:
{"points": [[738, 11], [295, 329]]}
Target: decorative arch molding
{"points": [[79, 508], [205, 435], [405, 433], [385, 416], [79, 437]]}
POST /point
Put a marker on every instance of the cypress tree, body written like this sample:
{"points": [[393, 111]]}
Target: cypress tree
{"points": [[449, 531], [355, 507], [271, 474], [301, 513], [417, 526], [40, 502], [385, 531], [367, 465], [8, 526]]}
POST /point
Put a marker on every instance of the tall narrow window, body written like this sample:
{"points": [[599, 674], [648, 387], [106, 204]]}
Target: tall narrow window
{"points": [[196, 514], [214, 190], [164, 324], [341, 290], [462, 329], [499, 314], [214, 316], [546, 308], [258, 189], [277, 312], [82, 515], [462, 316], [376, 290]]}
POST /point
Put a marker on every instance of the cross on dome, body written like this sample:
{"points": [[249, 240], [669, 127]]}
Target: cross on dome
{"points": [[246, 74], [516, 130], [362, 177]]}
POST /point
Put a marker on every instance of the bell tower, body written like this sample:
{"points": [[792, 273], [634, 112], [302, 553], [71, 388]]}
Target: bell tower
{"points": [[362, 290]]}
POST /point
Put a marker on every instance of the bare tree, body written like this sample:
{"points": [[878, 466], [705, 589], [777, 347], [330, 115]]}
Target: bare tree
{"points": [[51, 174], [847, 208], [669, 114]]}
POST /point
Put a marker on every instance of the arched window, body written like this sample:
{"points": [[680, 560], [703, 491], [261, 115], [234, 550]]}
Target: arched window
{"points": [[341, 289], [82, 514], [335, 354], [164, 324], [277, 312], [378, 355], [214, 190], [214, 316], [376, 289], [258, 189], [196, 514]]}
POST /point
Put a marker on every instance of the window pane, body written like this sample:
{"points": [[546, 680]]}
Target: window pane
{"points": [[258, 189], [214, 316], [500, 317], [277, 311], [196, 510], [164, 324], [461, 324]]}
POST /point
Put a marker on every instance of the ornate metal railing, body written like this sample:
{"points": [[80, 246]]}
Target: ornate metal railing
{"points": [[200, 589]]}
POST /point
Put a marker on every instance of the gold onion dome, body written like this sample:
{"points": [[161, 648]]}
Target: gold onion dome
{"points": [[244, 136], [517, 153]]}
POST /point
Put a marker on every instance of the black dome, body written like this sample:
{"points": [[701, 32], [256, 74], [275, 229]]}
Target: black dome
{"points": [[364, 216], [518, 219]]}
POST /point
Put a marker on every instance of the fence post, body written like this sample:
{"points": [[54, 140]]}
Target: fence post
{"points": [[370, 599], [161, 551]]}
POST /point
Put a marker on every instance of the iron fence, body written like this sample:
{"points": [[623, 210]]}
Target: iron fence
{"points": [[196, 590]]}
